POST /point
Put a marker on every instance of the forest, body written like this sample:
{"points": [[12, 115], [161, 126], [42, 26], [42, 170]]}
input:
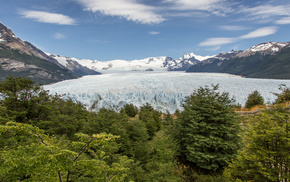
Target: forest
{"points": [[46, 138]]}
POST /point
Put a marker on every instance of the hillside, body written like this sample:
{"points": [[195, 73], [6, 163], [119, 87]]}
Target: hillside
{"points": [[21, 58], [16, 63], [267, 60]]}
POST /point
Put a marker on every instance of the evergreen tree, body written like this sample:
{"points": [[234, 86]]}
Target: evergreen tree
{"points": [[254, 99], [151, 118], [265, 156], [130, 110], [208, 130], [284, 95]]}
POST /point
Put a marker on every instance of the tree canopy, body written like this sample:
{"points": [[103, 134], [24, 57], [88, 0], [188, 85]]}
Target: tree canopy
{"points": [[265, 156], [255, 98], [208, 130]]}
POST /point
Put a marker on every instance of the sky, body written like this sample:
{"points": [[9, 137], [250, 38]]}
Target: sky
{"points": [[135, 29]]}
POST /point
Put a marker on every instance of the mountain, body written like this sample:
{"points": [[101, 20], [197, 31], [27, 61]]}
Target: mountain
{"points": [[73, 65], [148, 64], [266, 60], [21, 58], [186, 61]]}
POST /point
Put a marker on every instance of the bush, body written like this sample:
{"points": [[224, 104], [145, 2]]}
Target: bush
{"points": [[254, 99]]}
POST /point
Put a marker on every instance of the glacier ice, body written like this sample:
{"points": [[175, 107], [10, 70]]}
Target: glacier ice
{"points": [[163, 90]]}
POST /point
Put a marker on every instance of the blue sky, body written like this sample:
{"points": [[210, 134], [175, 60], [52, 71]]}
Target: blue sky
{"points": [[135, 29]]}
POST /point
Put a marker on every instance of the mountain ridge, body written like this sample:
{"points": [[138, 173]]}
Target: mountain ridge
{"points": [[265, 60], [21, 58]]}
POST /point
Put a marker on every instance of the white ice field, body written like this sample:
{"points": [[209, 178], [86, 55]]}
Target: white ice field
{"points": [[163, 90]]}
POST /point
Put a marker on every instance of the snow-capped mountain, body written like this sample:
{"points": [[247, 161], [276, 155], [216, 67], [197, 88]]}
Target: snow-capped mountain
{"points": [[266, 60], [267, 48], [73, 65], [148, 64], [186, 61]]}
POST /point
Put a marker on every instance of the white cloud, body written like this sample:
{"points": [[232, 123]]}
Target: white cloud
{"points": [[154, 33], [265, 13], [58, 36], [233, 28], [285, 20], [268, 10], [129, 9], [261, 32], [46, 17], [217, 41], [205, 5]]}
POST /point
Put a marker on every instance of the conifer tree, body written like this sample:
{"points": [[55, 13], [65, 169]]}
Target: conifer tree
{"points": [[284, 95], [265, 156], [208, 130], [254, 99]]}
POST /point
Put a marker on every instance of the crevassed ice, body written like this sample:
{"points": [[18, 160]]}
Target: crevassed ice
{"points": [[163, 90]]}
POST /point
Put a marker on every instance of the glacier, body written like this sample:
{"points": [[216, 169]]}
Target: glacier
{"points": [[165, 91]]}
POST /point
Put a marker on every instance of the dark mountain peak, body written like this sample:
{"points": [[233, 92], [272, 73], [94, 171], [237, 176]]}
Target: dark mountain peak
{"points": [[6, 34]]}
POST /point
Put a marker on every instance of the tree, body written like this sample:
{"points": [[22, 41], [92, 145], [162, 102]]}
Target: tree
{"points": [[265, 156], [284, 95], [208, 130], [22, 98], [255, 98], [26, 152], [130, 110], [151, 118]]}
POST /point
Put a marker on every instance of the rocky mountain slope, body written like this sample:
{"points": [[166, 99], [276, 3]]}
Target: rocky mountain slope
{"points": [[20, 58], [266, 60]]}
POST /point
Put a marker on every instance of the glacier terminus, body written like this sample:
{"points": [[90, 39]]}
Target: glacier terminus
{"points": [[164, 90]]}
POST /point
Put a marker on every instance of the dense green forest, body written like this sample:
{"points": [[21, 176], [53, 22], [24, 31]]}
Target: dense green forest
{"points": [[46, 138]]}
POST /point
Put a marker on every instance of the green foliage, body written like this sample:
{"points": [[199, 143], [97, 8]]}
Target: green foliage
{"points": [[34, 156], [255, 98], [151, 118], [265, 156], [162, 164], [284, 95], [208, 130], [130, 110], [22, 98], [4, 118], [62, 117], [28, 103], [108, 120]]}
